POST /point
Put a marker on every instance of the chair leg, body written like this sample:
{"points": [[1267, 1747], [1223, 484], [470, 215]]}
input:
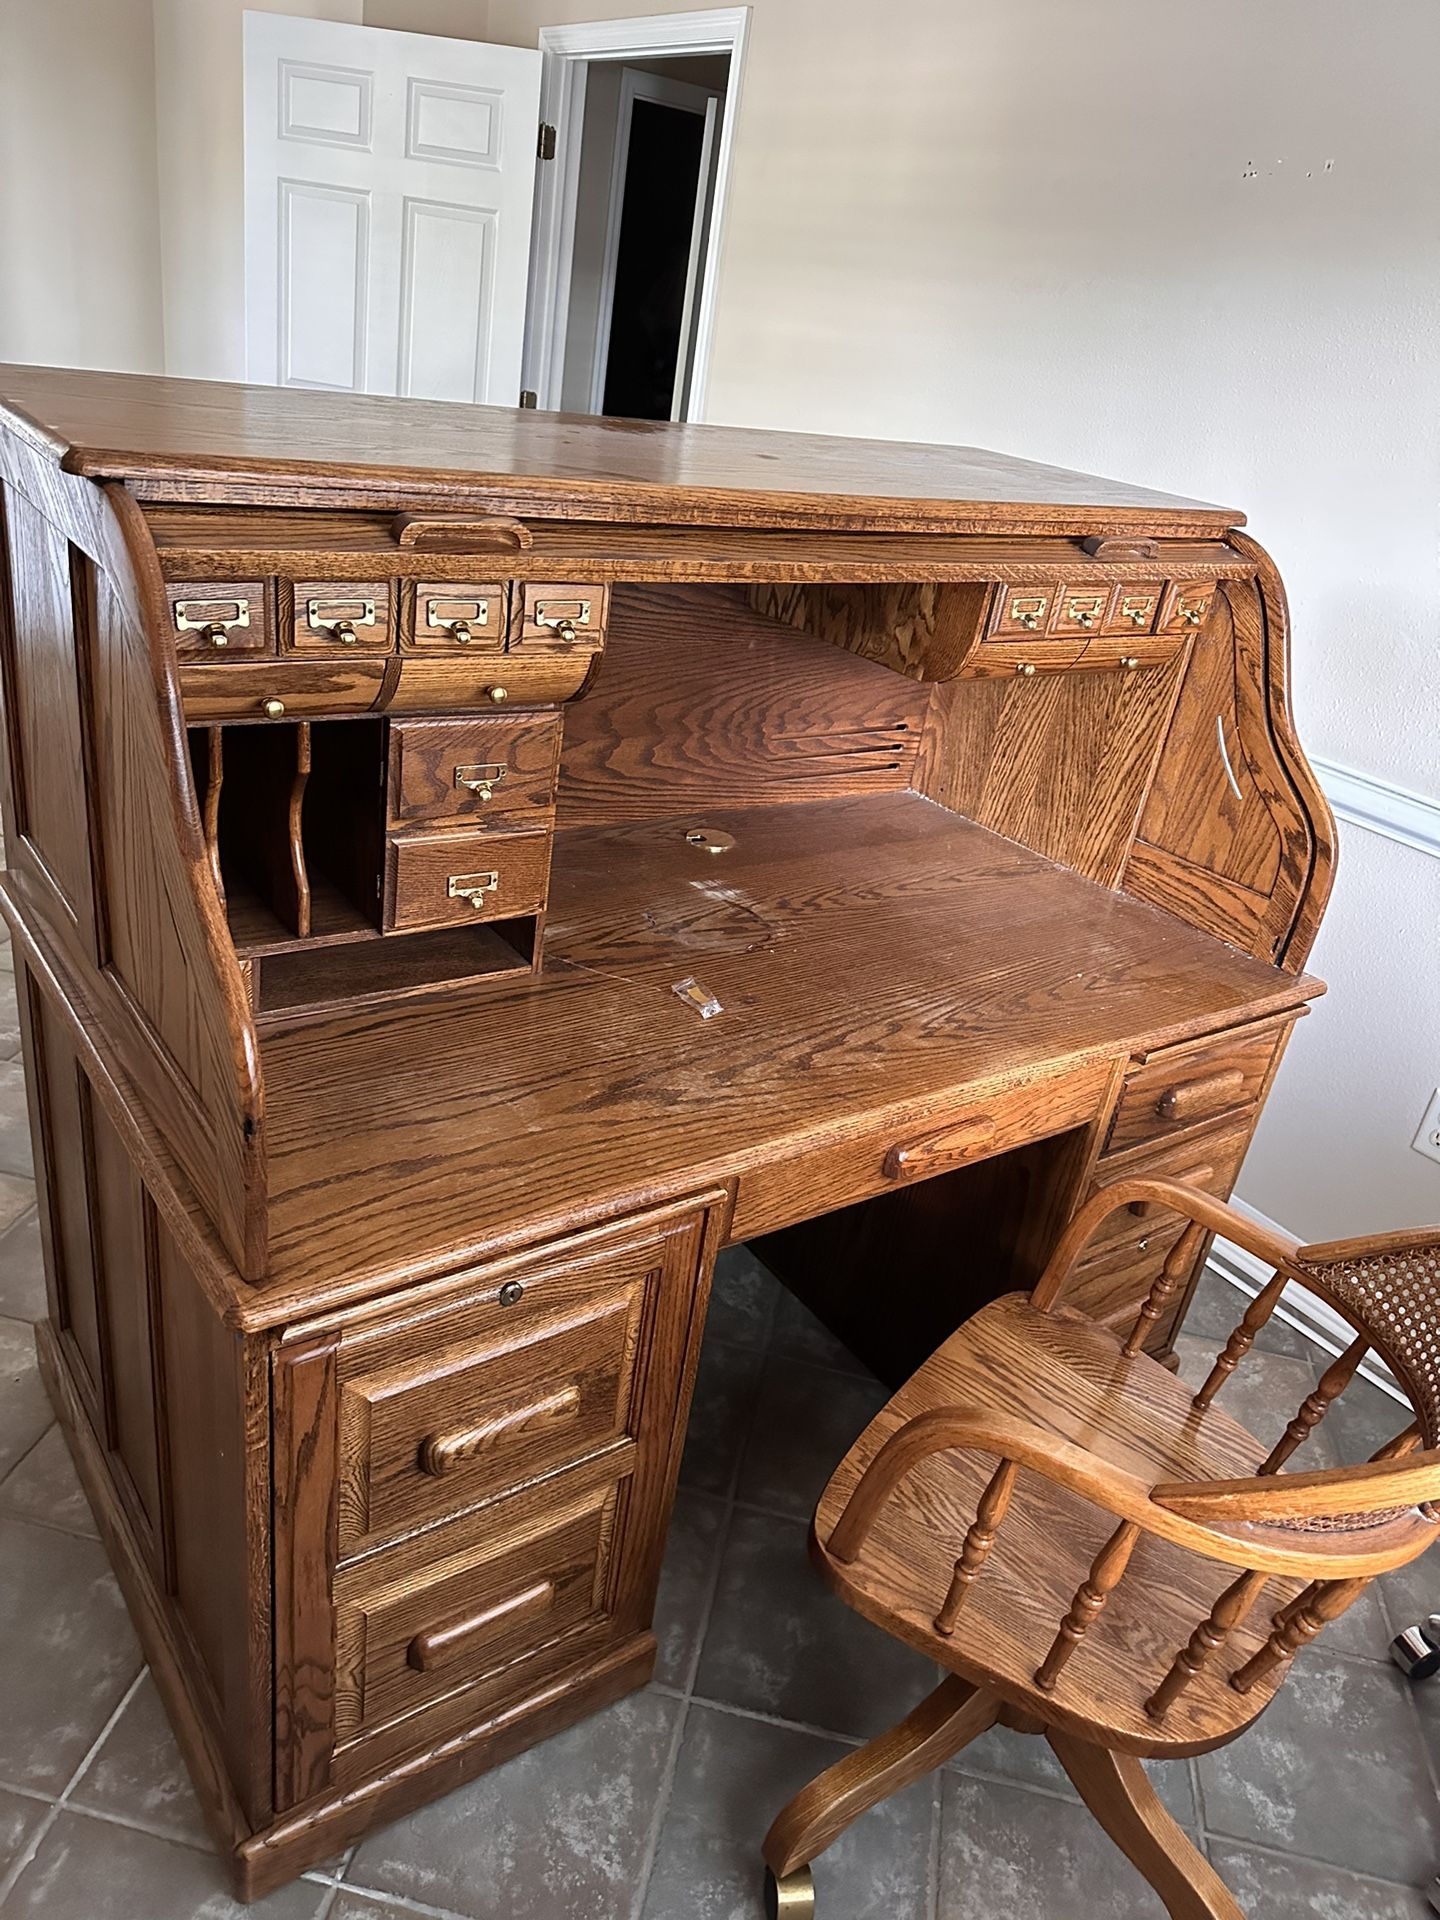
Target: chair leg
{"points": [[1117, 1790], [945, 1721]]}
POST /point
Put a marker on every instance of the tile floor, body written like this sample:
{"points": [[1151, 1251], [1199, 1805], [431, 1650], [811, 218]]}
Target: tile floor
{"points": [[654, 1809]]}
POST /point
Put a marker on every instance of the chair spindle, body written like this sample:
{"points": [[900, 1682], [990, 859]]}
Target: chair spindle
{"points": [[1177, 1264], [1226, 1614], [1090, 1597], [978, 1541], [1328, 1601], [1313, 1408], [1241, 1340]]}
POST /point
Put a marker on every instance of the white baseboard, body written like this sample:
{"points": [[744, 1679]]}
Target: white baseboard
{"points": [[1297, 1308], [1412, 819]]}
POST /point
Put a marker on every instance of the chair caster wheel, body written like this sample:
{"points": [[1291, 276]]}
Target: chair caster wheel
{"points": [[792, 1898]]}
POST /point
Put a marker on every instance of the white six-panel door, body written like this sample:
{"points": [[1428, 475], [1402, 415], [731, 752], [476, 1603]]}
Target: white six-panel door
{"points": [[389, 182]]}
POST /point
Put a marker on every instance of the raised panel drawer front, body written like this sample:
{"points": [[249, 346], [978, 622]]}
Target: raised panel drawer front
{"points": [[1185, 1087], [338, 616], [1186, 604], [225, 622], [472, 1418], [501, 1599], [496, 774], [444, 879]]}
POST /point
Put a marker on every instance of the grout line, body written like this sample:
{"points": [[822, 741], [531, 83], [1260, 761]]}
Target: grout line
{"points": [[1309, 1860], [662, 1808], [777, 1720], [28, 1852], [401, 1902], [933, 1864]]}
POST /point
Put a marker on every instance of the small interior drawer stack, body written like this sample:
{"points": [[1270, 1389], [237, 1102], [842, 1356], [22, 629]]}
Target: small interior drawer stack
{"points": [[1184, 1114], [1045, 626]]}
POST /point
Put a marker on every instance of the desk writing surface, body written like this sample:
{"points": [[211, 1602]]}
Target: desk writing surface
{"points": [[875, 957], [140, 426]]}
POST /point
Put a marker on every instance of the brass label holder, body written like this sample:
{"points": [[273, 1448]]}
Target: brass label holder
{"points": [[190, 616], [471, 887], [481, 780]]}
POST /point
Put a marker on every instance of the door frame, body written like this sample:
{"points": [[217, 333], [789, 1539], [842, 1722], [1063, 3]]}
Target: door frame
{"points": [[635, 85], [565, 52]]}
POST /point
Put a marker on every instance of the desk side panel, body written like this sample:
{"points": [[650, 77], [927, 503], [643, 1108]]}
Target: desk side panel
{"points": [[105, 854]]}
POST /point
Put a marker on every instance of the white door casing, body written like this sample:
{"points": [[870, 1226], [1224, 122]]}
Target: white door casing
{"points": [[389, 187]]}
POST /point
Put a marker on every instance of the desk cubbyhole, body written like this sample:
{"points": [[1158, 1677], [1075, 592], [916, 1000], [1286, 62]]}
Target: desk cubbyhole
{"points": [[250, 784]]}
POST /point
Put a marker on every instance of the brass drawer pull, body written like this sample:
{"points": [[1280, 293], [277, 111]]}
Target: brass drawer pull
{"points": [[563, 626], [1029, 610], [1198, 1099], [472, 887], [273, 709], [1085, 609], [340, 618], [1137, 608], [481, 780], [444, 1451], [437, 1646], [459, 625], [199, 616]]}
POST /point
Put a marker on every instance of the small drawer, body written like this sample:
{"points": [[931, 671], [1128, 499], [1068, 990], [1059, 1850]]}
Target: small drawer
{"points": [[1081, 609], [432, 681], [1186, 604], [252, 690], [485, 1604], [1133, 608], [1186, 1087], [331, 616], [455, 617], [221, 623], [445, 879], [563, 616], [1024, 612], [496, 773], [1128, 651]]}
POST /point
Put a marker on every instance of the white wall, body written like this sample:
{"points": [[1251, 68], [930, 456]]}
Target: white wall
{"points": [[1193, 246], [79, 227]]}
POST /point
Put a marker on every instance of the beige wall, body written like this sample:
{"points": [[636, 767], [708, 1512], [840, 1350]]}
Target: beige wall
{"points": [[79, 227], [1193, 246]]}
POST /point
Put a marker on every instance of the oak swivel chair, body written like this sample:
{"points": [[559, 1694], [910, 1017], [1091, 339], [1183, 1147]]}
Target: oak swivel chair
{"points": [[1135, 1572]]}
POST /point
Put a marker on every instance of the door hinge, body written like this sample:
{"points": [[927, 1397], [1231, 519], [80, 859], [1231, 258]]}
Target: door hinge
{"points": [[545, 148], [529, 397]]}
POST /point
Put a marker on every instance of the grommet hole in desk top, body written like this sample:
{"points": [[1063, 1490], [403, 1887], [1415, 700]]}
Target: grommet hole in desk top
{"points": [[710, 839]]}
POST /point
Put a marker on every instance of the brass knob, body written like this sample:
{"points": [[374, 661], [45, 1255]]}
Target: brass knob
{"points": [[272, 709], [217, 636], [1083, 619], [1192, 616], [499, 695], [460, 630], [1129, 660], [1139, 615], [565, 630], [1030, 620], [344, 632], [510, 1293], [1025, 666]]}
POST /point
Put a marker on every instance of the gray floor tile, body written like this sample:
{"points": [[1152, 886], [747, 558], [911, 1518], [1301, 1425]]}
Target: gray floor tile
{"points": [[733, 1778], [67, 1652], [1263, 1394], [139, 1776], [1279, 1888], [1216, 1308], [780, 1642], [1009, 1854], [696, 1529], [806, 1420], [742, 1299], [719, 1415], [359, 1906], [562, 1830], [24, 1405], [22, 1269], [44, 1486], [16, 1158], [19, 1817], [1334, 1769], [1027, 1759], [799, 1335], [87, 1869]]}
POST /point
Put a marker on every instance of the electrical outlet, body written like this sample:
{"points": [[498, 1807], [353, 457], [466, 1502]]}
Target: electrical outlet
{"points": [[1427, 1138]]}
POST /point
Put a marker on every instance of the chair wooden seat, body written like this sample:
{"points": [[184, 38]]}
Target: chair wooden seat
{"points": [[1078, 1385], [1099, 1553]]}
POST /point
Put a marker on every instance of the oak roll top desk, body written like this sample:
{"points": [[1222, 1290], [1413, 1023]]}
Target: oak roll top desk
{"points": [[394, 790]]}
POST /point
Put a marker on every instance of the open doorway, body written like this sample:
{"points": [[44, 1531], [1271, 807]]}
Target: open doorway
{"points": [[629, 216]]}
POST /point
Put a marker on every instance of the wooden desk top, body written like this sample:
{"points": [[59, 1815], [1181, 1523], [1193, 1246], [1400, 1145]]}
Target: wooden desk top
{"points": [[881, 962], [183, 437]]}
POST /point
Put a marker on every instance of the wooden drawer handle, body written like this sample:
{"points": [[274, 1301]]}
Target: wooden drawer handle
{"points": [[441, 533], [967, 1140], [1196, 1177], [1197, 1099], [442, 1451], [437, 1646]]}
